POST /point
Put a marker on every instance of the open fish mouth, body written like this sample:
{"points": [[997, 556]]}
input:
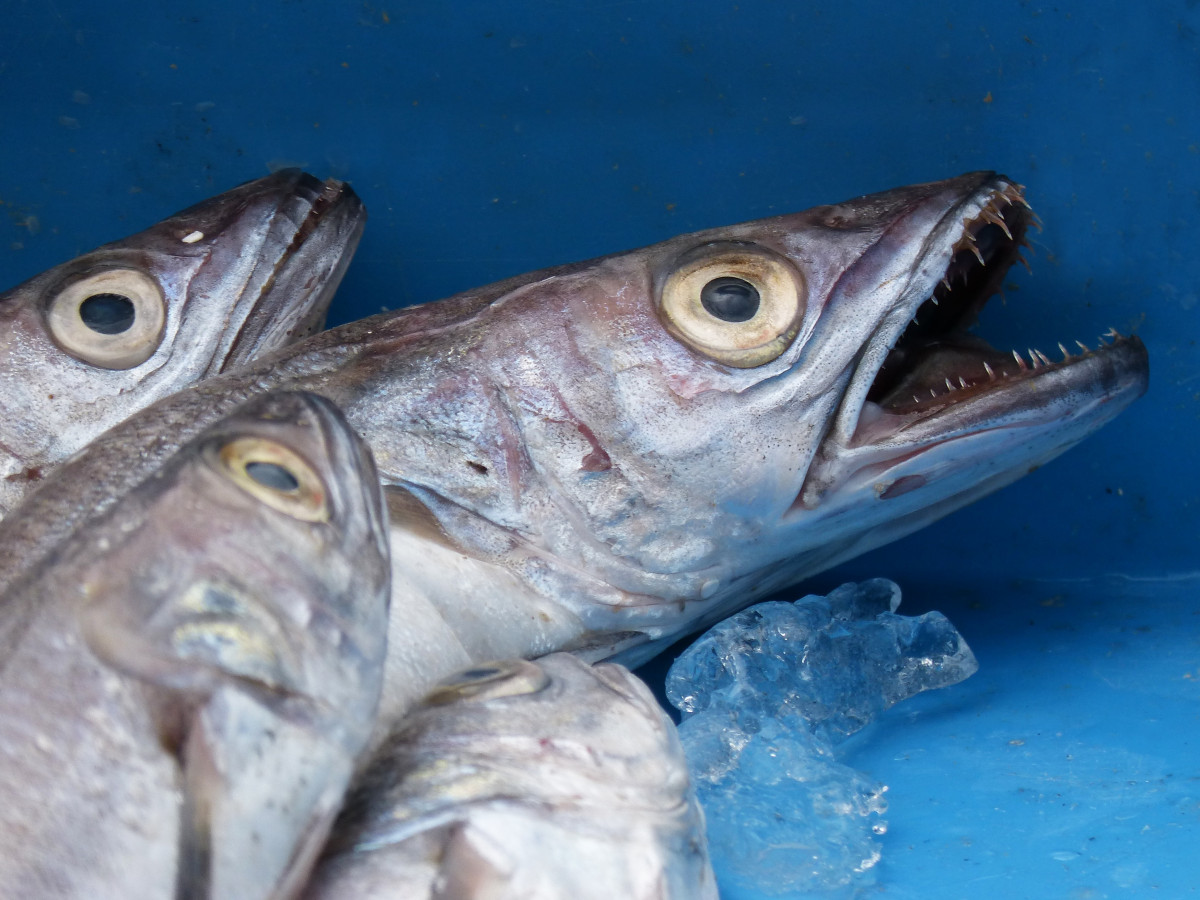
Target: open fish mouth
{"points": [[923, 379], [935, 363]]}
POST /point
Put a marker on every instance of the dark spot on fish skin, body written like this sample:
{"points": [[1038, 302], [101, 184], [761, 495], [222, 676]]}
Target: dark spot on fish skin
{"points": [[597, 460], [480, 468], [33, 473]]}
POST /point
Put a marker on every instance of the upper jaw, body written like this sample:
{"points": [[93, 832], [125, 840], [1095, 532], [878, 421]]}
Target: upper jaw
{"points": [[256, 266], [310, 242]]}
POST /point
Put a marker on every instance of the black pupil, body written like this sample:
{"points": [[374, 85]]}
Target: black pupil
{"points": [[476, 674], [272, 475], [730, 299], [107, 313]]}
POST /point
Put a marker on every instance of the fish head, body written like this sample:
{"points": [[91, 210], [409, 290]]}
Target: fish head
{"points": [[680, 430], [89, 342], [542, 778], [256, 552], [243, 589]]}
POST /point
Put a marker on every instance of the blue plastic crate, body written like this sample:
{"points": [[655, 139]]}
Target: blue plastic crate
{"points": [[489, 139]]}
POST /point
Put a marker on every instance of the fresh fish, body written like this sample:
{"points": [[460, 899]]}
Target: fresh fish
{"points": [[606, 456], [88, 343], [524, 781], [184, 685]]}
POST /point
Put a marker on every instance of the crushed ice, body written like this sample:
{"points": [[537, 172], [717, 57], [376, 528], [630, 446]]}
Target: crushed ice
{"points": [[767, 695]]}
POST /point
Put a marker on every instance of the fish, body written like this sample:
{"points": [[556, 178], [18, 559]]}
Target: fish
{"points": [[185, 685], [606, 456], [88, 343], [520, 780]]}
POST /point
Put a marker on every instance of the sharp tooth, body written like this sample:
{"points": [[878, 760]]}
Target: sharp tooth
{"points": [[949, 386], [915, 400], [989, 216], [932, 393], [1042, 356], [1113, 333], [946, 284], [1084, 347], [961, 383], [991, 374], [1020, 361], [1065, 354], [978, 255], [1032, 358]]}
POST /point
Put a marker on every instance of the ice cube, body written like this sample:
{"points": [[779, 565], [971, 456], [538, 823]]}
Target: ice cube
{"points": [[767, 695]]}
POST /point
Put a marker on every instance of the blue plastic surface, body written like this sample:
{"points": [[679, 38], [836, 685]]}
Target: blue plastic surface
{"points": [[489, 139]]}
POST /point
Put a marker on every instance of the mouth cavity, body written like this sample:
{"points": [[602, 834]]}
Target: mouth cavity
{"points": [[936, 362]]}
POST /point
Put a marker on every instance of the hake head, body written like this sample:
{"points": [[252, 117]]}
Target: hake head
{"points": [[92, 341], [213, 645], [672, 433]]}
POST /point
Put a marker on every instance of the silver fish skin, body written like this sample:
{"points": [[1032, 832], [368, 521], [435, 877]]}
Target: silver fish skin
{"points": [[185, 685], [524, 781], [579, 459], [92, 341]]}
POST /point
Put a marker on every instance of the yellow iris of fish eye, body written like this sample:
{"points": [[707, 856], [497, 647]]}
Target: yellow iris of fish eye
{"points": [[489, 681], [754, 342], [133, 343], [277, 476]]}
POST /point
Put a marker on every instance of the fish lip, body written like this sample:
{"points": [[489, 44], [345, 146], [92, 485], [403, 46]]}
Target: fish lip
{"points": [[314, 253], [1116, 373]]}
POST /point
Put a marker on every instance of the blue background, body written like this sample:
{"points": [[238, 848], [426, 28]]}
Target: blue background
{"points": [[491, 138]]}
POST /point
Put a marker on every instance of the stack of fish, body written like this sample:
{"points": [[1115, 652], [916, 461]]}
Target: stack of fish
{"points": [[242, 608]]}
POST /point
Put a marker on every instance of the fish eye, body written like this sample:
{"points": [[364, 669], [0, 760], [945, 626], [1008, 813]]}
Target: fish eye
{"points": [[739, 304], [489, 681], [112, 318], [277, 476]]}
